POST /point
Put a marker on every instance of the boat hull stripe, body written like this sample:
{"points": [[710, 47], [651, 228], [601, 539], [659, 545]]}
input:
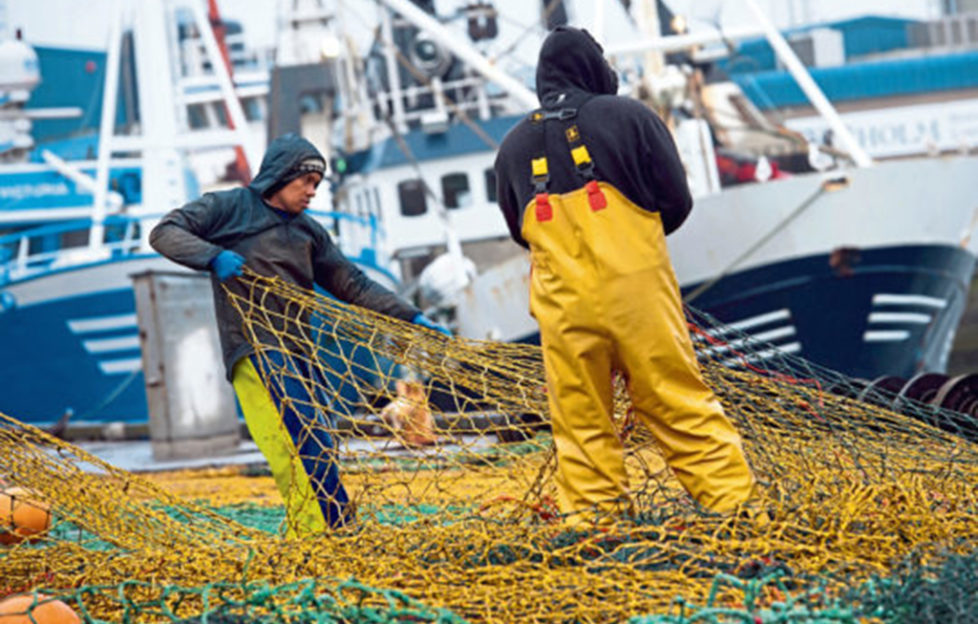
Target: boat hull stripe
{"points": [[101, 323], [117, 367], [105, 345], [887, 335], [921, 300], [900, 317]]}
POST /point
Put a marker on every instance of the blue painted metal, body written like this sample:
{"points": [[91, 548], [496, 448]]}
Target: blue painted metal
{"points": [[858, 81], [82, 146], [33, 190], [755, 69], [830, 307], [861, 36], [46, 369], [72, 77]]}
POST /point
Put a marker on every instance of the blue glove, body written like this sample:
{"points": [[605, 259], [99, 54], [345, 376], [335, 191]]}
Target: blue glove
{"points": [[227, 264], [424, 321]]}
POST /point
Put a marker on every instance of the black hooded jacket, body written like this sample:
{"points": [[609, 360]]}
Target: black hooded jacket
{"points": [[294, 248], [630, 146]]}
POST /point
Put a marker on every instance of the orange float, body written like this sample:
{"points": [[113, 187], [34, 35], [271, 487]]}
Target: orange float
{"points": [[36, 610], [20, 517]]}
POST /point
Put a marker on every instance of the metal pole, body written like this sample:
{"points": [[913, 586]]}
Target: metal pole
{"points": [[464, 51], [393, 73], [96, 234], [808, 85], [240, 123], [81, 179]]}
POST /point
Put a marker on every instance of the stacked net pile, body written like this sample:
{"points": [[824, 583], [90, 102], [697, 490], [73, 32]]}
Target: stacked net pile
{"points": [[444, 447]]}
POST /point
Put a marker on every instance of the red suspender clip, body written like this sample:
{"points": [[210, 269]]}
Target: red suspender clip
{"points": [[545, 211], [585, 167], [595, 196], [540, 178]]}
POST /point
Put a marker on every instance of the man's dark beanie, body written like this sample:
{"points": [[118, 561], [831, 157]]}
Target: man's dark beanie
{"points": [[309, 165]]}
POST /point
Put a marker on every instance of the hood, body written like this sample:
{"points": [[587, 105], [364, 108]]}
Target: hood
{"points": [[571, 60], [283, 153]]}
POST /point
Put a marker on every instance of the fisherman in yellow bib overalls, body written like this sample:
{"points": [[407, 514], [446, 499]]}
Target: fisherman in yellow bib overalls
{"points": [[591, 183]]}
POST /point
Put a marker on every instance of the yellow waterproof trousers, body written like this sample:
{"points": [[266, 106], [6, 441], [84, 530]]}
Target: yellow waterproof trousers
{"points": [[606, 298], [274, 391]]}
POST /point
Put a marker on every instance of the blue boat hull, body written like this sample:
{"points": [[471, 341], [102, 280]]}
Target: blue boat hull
{"points": [[71, 341], [865, 313], [49, 367]]}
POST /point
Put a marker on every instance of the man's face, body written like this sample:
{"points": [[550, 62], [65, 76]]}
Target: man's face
{"points": [[295, 196]]}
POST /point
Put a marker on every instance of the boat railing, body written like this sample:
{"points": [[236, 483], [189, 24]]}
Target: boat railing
{"points": [[36, 250], [437, 90], [33, 251]]}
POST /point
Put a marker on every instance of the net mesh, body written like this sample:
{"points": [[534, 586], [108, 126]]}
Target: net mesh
{"points": [[444, 448]]}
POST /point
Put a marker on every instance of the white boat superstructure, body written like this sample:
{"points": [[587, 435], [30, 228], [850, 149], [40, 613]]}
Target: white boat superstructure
{"points": [[849, 237]]}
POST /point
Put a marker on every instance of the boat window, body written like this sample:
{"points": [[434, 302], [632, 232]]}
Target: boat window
{"points": [[196, 116], [411, 195], [455, 190], [490, 177], [377, 210], [311, 103], [252, 109], [221, 114], [74, 238]]}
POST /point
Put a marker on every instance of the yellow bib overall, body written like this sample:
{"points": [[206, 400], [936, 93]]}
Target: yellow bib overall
{"points": [[606, 298]]}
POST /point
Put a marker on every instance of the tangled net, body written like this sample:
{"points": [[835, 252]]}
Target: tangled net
{"points": [[874, 512]]}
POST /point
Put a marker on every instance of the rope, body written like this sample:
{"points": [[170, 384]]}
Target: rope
{"points": [[872, 513]]}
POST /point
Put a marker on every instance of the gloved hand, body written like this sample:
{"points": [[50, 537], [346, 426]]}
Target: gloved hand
{"points": [[424, 321], [227, 264]]}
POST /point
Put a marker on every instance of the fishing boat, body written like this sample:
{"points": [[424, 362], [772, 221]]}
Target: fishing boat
{"points": [[76, 212], [827, 252]]}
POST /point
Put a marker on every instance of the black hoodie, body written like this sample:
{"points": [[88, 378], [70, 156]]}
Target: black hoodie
{"points": [[630, 146], [297, 249]]}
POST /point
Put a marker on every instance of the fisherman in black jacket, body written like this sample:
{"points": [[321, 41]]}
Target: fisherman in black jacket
{"points": [[591, 183], [264, 226]]}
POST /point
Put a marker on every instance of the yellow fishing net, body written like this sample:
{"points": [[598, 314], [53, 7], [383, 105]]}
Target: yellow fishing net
{"points": [[444, 448]]}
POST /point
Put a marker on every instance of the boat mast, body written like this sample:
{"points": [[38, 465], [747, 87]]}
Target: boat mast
{"points": [[393, 73], [96, 235], [163, 186]]}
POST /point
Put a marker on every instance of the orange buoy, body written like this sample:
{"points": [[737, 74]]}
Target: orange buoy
{"points": [[20, 517], [36, 610]]}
